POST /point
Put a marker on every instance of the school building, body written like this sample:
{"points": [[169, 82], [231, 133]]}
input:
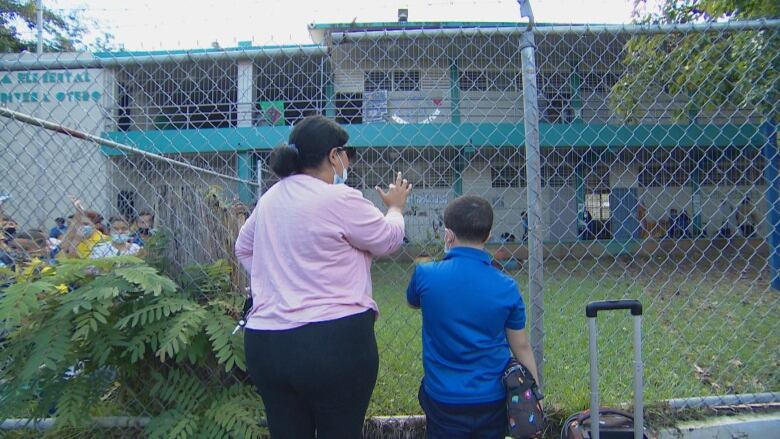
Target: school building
{"points": [[442, 102]]}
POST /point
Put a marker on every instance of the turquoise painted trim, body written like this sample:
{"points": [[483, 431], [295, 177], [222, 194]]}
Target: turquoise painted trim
{"points": [[245, 171], [577, 135], [163, 53], [454, 94], [390, 25]]}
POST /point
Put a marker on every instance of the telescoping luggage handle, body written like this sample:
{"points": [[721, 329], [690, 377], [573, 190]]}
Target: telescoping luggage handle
{"points": [[591, 311]]}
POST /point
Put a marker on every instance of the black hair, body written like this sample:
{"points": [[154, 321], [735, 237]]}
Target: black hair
{"points": [[59, 220], [310, 142], [470, 217], [145, 213]]}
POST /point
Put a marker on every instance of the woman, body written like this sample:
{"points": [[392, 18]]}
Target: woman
{"points": [[119, 245], [308, 244]]}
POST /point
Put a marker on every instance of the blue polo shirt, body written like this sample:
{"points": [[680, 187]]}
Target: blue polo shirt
{"points": [[466, 306]]}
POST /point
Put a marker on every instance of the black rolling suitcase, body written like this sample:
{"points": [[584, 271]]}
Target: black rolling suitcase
{"points": [[607, 423]]}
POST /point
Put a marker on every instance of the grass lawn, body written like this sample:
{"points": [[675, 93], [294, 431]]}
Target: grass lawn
{"points": [[710, 327]]}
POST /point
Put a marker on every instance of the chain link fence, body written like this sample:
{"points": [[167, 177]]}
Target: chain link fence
{"points": [[657, 180]]}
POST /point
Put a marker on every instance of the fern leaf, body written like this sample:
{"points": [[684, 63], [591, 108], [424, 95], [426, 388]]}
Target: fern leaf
{"points": [[50, 347], [180, 389], [73, 405], [228, 347], [148, 336], [148, 279], [20, 300], [172, 424], [163, 307], [237, 410], [184, 326], [87, 323]]}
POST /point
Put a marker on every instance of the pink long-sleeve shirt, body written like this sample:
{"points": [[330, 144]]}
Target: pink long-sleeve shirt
{"points": [[308, 247]]}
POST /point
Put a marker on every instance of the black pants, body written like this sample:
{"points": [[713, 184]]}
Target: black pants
{"points": [[316, 378]]}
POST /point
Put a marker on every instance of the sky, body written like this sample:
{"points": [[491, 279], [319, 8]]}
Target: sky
{"points": [[184, 24]]}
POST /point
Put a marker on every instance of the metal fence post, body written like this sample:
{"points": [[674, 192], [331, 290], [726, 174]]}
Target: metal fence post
{"points": [[534, 188]]}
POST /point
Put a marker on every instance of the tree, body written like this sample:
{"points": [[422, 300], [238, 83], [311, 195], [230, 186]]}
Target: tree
{"points": [[726, 69], [62, 33]]}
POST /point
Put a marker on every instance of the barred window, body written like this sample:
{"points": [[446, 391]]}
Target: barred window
{"points": [[665, 168], [488, 80], [507, 168], [399, 80], [597, 204], [349, 107], [601, 82], [187, 95], [555, 99], [558, 168], [377, 80], [595, 166], [406, 80], [732, 167]]}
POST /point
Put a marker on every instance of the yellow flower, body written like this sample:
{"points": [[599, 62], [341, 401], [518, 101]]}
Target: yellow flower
{"points": [[62, 288]]}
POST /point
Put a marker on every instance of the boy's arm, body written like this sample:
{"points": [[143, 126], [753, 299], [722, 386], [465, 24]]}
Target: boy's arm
{"points": [[412, 293], [521, 349]]}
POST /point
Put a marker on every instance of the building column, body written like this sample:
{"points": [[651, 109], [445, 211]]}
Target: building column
{"points": [[330, 88], [575, 84], [244, 171], [695, 181], [245, 94], [454, 93], [579, 188]]}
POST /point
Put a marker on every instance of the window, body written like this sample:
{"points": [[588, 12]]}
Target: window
{"points": [[399, 80], [664, 168], [600, 82], [189, 95], [505, 176], [558, 168], [732, 167], [554, 99], [472, 81], [349, 108], [377, 81], [406, 80], [507, 168], [490, 80], [289, 85], [598, 205], [595, 168]]}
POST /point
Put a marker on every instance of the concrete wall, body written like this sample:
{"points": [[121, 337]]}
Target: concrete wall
{"points": [[40, 169]]}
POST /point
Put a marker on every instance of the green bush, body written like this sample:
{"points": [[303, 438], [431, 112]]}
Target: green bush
{"points": [[135, 343]]}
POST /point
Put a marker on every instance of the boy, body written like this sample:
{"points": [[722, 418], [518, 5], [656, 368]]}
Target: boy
{"points": [[473, 315]]}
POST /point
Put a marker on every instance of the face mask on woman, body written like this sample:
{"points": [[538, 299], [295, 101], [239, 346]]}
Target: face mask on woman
{"points": [[120, 238], [340, 179]]}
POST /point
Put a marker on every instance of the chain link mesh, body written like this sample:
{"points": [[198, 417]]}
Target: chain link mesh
{"points": [[659, 177]]}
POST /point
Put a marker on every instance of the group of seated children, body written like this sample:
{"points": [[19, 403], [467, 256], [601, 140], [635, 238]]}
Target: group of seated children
{"points": [[85, 234]]}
